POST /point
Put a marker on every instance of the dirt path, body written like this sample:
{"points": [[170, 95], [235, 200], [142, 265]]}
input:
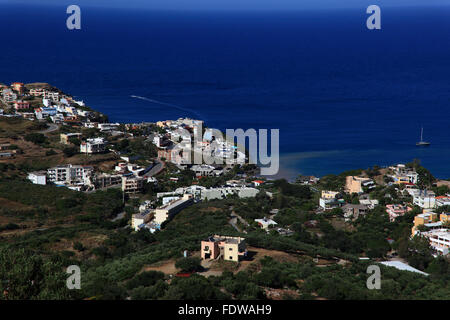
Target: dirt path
{"points": [[167, 267], [257, 254]]}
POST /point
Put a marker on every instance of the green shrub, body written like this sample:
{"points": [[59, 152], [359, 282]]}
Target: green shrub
{"points": [[189, 264]]}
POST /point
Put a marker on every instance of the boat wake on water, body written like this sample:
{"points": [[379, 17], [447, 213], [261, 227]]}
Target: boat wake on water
{"points": [[169, 105]]}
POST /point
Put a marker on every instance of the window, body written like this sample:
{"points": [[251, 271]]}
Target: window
{"points": [[231, 258], [206, 248], [230, 249]]}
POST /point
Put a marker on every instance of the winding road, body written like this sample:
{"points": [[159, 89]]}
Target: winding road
{"points": [[157, 168], [51, 127]]}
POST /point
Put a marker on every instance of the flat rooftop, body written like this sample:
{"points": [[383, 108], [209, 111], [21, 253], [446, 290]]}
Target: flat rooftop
{"points": [[235, 240], [442, 233], [142, 215], [173, 204], [402, 266]]}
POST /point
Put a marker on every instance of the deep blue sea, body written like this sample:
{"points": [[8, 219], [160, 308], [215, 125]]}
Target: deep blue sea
{"points": [[343, 97]]}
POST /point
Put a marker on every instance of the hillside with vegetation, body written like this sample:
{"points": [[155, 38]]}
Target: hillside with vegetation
{"points": [[310, 254], [117, 263]]}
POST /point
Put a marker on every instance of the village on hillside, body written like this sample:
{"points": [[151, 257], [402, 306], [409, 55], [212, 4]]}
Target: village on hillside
{"points": [[51, 140]]}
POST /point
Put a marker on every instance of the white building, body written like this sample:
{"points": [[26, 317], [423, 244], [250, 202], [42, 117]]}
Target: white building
{"points": [[46, 102], [84, 113], [51, 95], [152, 180], [38, 177], [265, 223], [194, 190], [9, 95], [105, 127], [409, 189], [443, 201], [205, 170], [236, 183], [96, 145], [424, 199], [370, 203], [221, 193], [70, 174], [42, 113], [57, 118], [64, 101], [439, 240], [157, 140], [211, 193]]}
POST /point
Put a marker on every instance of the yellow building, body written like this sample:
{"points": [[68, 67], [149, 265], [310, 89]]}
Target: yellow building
{"points": [[423, 218], [65, 137], [400, 179], [329, 194]]}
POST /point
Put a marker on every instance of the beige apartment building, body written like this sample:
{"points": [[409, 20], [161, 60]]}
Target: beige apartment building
{"points": [[355, 184], [141, 218], [227, 248], [132, 184], [170, 209]]}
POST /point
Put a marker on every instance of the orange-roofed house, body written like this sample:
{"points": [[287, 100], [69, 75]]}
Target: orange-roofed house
{"points": [[18, 86], [257, 183]]}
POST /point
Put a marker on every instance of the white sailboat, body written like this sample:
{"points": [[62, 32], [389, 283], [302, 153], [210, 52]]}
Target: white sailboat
{"points": [[421, 142]]}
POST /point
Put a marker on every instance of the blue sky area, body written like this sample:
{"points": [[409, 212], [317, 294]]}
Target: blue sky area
{"points": [[235, 4]]}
